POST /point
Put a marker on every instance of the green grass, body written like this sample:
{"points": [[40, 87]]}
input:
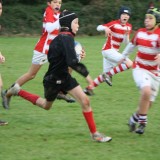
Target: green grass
{"points": [[61, 133]]}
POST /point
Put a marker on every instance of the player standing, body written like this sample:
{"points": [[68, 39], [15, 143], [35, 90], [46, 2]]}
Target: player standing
{"points": [[117, 31]]}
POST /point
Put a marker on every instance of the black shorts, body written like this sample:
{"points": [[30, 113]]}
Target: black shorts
{"points": [[52, 88]]}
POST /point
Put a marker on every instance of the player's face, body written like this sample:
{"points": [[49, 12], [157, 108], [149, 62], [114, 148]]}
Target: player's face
{"points": [[124, 18], [0, 9], [75, 25], [150, 21], [55, 5]]}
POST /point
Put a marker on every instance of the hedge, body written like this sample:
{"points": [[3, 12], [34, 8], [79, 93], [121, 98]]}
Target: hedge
{"points": [[27, 19]]}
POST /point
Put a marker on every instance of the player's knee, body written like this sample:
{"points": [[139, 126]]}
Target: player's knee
{"points": [[146, 92], [46, 107], [86, 102]]}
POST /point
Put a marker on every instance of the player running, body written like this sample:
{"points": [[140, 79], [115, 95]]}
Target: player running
{"points": [[49, 31], [146, 67], [62, 55], [117, 31]]}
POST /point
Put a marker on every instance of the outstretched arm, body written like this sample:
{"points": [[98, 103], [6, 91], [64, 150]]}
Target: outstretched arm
{"points": [[50, 27], [128, 50], [126, 37], [107, 30]]}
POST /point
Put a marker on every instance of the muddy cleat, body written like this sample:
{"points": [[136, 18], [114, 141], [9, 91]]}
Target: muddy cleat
{"points": [[68, 99], [99, 137], [107, 79], [88, 91], [14, 89], [140, 129], [132, 126], [3, 123], [5, 99]]}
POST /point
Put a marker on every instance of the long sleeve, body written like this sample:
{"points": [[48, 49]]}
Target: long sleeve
{"points": [[126, 39], [81, 69], [71, 57], [101, 28], [50, 27], [128, 49]]}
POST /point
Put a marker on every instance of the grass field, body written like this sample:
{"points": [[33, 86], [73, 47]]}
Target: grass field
{"points": [[61, 133]]}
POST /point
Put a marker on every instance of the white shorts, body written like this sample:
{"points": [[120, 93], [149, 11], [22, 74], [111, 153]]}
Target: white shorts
{"points": [[39, 58], [111, 57], [145, 78]]}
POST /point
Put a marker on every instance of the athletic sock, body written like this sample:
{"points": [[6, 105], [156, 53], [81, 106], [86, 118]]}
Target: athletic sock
{"points": [[134, 118], [142, 119], [120, 68], [90, 121], [28, 96], [98, 80]]}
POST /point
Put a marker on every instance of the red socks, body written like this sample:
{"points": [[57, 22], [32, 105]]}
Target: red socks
{"points": [[90, 121], [88, 115], [120, 68], [28, 96]]}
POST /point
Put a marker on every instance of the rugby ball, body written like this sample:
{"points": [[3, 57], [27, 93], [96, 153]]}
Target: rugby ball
{"points": [[78, 49]]}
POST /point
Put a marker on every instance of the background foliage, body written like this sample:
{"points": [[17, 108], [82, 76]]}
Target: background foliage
{"points": [[25, 16]]}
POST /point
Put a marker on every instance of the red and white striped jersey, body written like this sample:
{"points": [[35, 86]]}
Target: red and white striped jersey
{"points": [[148, 44], [118, 34], [46, 38]]}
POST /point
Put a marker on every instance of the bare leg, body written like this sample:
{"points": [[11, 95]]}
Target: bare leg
{"points": [[6, 96], [43, 103], [31, 74], [144, 102], [81, 97]]}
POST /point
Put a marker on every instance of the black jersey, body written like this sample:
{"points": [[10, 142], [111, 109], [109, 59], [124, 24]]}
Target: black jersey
{"points": [[62, 55]]}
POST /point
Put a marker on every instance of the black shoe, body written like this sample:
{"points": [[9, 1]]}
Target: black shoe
{"points": [[140, 129], [88, 91], [3, 123], [132, 126], [5, 99], [68, 99], [107, 79]]}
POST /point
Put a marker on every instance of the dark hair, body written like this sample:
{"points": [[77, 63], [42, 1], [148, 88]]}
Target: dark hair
{"points": [[0, 1]]}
